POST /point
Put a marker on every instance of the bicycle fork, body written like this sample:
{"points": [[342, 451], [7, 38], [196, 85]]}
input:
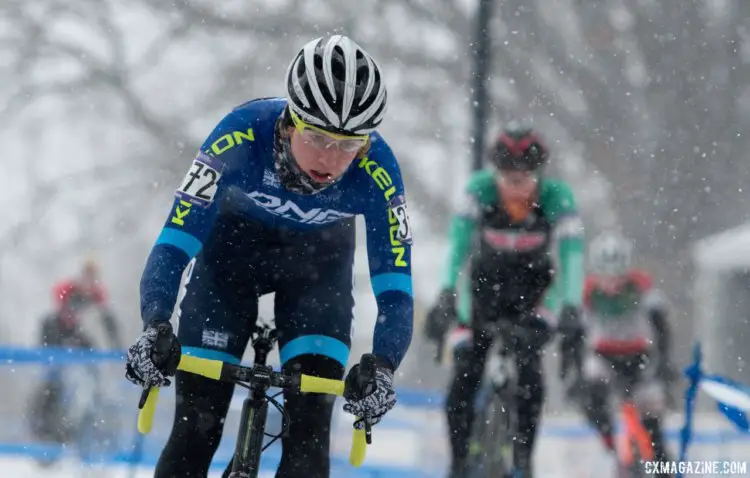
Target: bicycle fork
{"points": [[246, 461]]}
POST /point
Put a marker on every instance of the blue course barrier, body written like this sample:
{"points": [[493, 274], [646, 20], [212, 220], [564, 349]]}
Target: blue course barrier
{"points": [[58, 356]]}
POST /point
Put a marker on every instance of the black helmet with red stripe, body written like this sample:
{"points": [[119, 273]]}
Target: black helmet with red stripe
{"points": [[518, 148]]}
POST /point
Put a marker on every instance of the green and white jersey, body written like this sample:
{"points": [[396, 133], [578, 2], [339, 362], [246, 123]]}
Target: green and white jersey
{"points": [[483, 229]]}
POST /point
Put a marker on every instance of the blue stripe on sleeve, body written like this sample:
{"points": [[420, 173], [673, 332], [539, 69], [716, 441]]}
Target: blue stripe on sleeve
{"points": [[181, 240], [394, 281], [315, 344]]}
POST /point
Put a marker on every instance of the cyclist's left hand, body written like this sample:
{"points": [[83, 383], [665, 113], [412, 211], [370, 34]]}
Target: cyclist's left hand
{"points": [[374, 403]]}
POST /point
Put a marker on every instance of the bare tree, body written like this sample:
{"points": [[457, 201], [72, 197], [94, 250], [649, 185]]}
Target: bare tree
{"points": [[644, 103]]}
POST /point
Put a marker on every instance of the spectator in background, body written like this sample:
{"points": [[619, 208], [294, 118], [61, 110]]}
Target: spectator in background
{"points": [[73, 297], [49, 412]]}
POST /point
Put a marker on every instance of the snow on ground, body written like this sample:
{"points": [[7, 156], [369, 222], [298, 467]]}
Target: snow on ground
{"points": [[411, 442]]}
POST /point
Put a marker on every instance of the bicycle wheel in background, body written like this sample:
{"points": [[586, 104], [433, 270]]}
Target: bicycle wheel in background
{"points": [[492, 441]]}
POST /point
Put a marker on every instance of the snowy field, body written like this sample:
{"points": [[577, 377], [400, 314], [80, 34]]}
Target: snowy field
{"points": [[410, 442]]}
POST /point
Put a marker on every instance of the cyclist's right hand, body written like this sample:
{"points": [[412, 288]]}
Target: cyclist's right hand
{"points": [[441, 316], [154, 356]]}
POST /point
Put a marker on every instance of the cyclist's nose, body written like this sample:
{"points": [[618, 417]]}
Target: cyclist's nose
{"points": [[330, 157]]}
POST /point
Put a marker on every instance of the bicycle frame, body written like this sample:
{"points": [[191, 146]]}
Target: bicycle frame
{"points": [[633, 434], [246, 459]]}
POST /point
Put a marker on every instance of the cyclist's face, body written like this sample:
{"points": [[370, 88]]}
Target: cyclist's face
{"points": [[322, 164], [88, 280], [519, 185]]}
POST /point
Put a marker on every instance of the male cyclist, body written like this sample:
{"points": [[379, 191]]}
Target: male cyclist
{"points": [[513, 211], [268, 205], [628, 333]]}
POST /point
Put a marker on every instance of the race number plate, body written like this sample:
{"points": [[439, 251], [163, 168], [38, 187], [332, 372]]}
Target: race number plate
{"points": [[201, 182]]}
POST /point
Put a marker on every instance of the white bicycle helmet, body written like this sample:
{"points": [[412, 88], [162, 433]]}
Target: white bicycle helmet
{"points": [[336, 85], [610, 254]]}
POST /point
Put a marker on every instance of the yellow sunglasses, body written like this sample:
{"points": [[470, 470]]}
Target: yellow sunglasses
{"points": [[323, 139]]}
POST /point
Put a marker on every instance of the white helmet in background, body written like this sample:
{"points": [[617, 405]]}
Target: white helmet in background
{"points": [[336, 85], [610, 254]]}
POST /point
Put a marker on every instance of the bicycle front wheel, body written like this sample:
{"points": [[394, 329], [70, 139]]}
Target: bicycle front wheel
{"points": [[493, 433]]}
